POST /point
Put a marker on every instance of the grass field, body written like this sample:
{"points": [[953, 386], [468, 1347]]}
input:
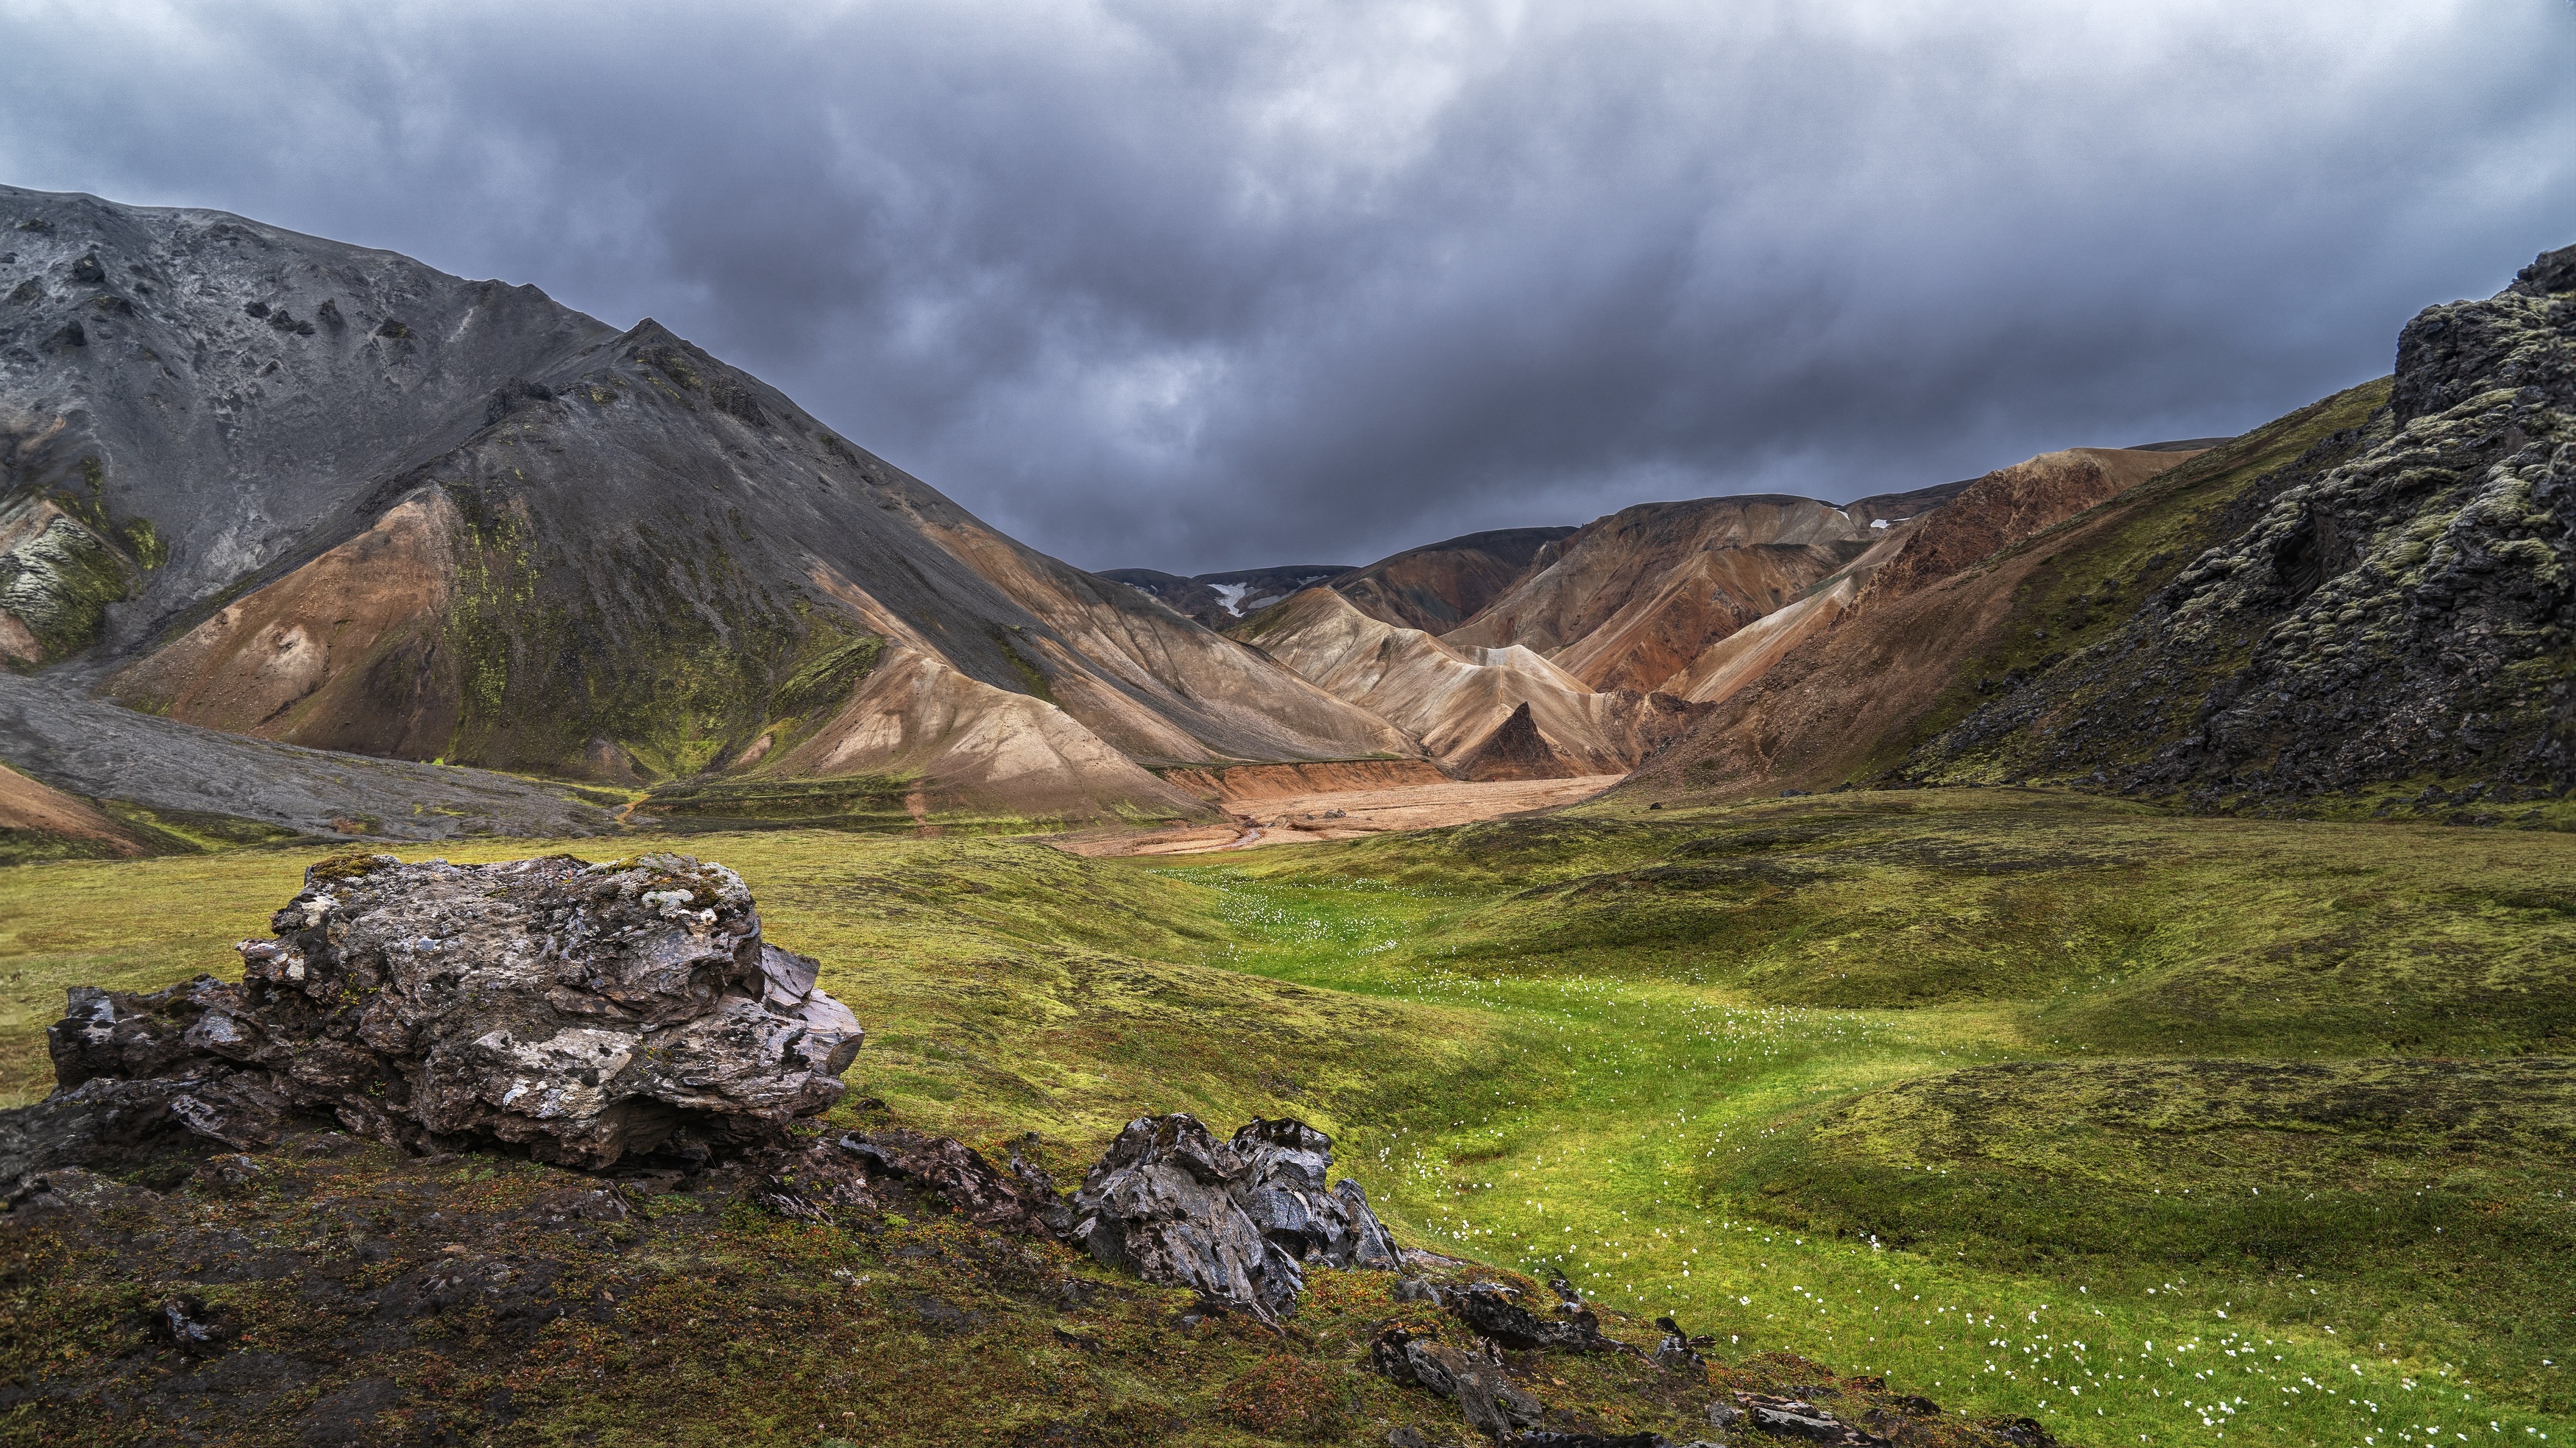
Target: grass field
{"points": [[2156, 1129]]}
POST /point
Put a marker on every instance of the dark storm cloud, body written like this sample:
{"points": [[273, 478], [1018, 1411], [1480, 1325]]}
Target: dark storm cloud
{"points": [[1208, 285]]}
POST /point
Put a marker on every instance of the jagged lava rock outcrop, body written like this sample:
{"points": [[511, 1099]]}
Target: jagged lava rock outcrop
{"points": [[2394, 605], [583, 1013], [1235, 1220]]}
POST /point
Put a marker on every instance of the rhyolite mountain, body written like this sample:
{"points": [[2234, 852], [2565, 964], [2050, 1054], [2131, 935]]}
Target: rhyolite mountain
{"points": [[1633, 599], [1553, 652], [286, 487], [1456, 698], [1439, 586], [2368, 606]]}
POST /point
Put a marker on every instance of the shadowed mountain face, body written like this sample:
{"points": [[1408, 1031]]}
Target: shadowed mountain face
{"points": [[1437, 587], [281, 486], [1221, 600]]}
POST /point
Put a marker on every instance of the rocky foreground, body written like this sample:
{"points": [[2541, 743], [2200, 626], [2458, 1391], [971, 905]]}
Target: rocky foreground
{"points": [[510, 1152]]}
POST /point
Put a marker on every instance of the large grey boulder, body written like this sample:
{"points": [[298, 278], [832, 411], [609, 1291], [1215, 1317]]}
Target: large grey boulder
{"points": [[1237, 1221], [580, 1012]]}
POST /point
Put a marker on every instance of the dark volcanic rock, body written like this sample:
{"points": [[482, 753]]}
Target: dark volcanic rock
{"points": [[1674, 1353], [1516, 749], [1798, 1418], [1158, 1205], [2394, 605], [1546, 1438], [1492, 1402], [1282, 1189], [970, 1186], [583, 1012], [1235, 1221], [1489, 1309], [2551, 272]]}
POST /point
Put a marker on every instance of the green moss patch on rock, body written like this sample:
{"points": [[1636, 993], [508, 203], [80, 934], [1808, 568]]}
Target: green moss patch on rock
{"points": [[59, 584]]}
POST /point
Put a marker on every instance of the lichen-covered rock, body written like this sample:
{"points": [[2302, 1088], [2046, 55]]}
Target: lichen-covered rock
{"points": [[57, 578], [111, 1123], [1235, 1220], [1157, 1205], [583, 1012]]}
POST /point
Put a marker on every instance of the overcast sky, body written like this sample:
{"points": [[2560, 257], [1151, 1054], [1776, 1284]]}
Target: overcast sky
{"points": [[1213, 285]]}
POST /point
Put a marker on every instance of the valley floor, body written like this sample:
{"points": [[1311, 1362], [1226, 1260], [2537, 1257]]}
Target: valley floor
{"points": [[2155, 1129], [1311, 817]]}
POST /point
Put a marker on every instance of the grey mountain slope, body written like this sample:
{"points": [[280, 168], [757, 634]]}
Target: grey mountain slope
{"points": [[408, 514], [233, 434], [97, 749]]}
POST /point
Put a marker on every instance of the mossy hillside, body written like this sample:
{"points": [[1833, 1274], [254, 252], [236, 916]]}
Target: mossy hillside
{"points": [[830, 663], [857, 802], [60, 581], [2416, 1207], [27, 847], [1714, 1131], [2093, 577], [2108, 924], [696, 1320], [549, 664]]}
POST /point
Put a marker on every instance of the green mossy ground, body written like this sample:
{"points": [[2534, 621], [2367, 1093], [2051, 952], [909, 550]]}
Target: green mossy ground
{"points": [[861, 802], [2032, 1104]]}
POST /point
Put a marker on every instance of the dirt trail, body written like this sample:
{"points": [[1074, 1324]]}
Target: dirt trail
{"points": [[1346, 814]]}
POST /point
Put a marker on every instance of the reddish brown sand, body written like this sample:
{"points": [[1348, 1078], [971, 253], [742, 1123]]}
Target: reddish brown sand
{"points": [[1306, 818]]}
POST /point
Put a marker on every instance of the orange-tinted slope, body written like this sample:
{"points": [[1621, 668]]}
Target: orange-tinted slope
{"points": [[1453, 697], [2010, 504], [29, 807], [1635, 599], [342, 653], [1830, 703]]}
